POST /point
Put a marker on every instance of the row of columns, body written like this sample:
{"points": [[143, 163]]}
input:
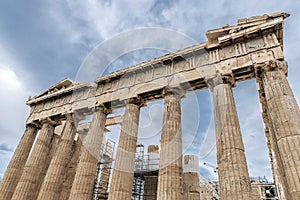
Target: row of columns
{"points": [[38, 171], [15, 168], [22, 179], [51, 187], [35, 167]]}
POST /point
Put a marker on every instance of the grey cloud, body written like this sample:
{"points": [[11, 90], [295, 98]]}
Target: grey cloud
{"points": [[51, 39], [5, 147]]}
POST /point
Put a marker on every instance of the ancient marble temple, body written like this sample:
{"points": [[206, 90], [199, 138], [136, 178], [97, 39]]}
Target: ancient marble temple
{"points": [[57, 157]]}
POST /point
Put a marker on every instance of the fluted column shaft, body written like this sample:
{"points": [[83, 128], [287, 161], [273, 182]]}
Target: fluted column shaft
{"points": [[123, 174], [284, 114], [15, 168], [170, 178], [232, 167], [275, 159], [71, 171], [35, 164], [52, 184], [83, 185], [191, 186]]}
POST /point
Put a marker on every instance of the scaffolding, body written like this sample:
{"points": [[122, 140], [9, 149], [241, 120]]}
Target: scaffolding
{"points": [[265, 189], [138, 181], [145, 175], [103, 174], [144, 186]]}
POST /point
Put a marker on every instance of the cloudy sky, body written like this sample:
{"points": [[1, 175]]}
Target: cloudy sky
{"points": [[43, 42]]}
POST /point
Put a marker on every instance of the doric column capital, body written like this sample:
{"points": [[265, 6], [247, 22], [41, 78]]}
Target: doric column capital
{"points": [[74, 117], [219, 79], [135, 100], [35, 125], [174, 91], [49, 121], [102, 108], [274, 65]]}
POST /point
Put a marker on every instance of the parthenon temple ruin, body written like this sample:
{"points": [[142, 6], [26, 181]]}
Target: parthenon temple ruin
{"points": [[62, 155]]}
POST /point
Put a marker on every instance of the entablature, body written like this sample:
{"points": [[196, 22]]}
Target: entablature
{"points": [[231, 51]]}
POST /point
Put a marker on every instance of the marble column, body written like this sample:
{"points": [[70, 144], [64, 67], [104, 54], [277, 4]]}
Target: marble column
{"points": [[275, 159], [284, 114], [151, 180], [170, 177], [15, 168], [123, 174], [52, 183], [191, 186], [35, 164], [71, 172], [84, 181], [191, 177], [53, 149], [233, 172]]}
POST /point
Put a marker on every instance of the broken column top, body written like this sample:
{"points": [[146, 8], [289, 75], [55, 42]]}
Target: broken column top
{"points": [[191, 163], [153, 149]]}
